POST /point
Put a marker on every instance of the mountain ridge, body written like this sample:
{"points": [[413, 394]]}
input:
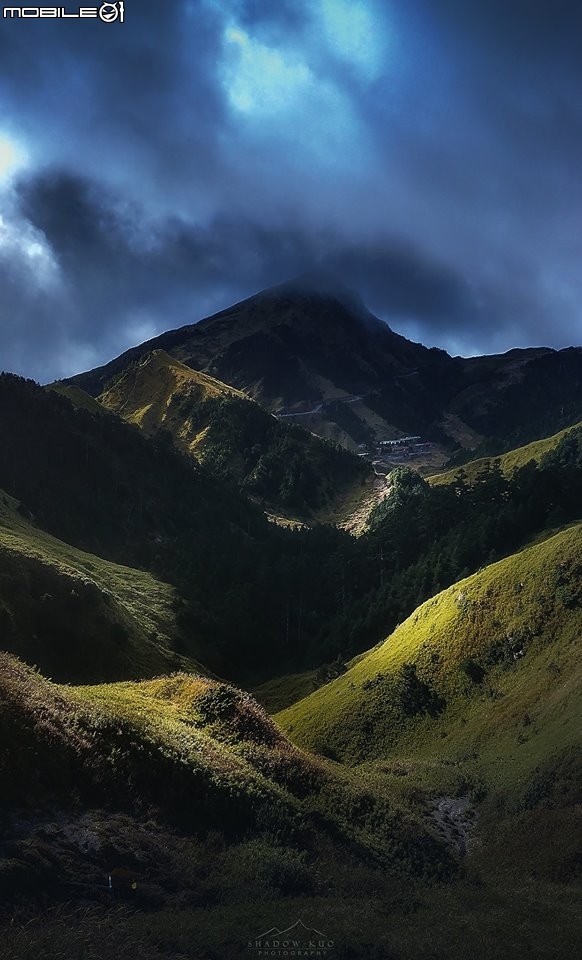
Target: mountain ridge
{"points": [[322, 356], [281, 308]]}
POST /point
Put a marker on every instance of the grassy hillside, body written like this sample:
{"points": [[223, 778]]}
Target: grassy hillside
{"points": [[254, 597], [475, 701], [257, 600], [78, 397], [508, 462], [471, 663], [425, 537], [197, 759], [78, 617], [277, 463], [148, 393], [214, 828]]}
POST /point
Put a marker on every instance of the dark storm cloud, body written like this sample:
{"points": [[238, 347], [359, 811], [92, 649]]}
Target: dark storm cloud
{"points": [[111, 105], [428, 153], [120, 272], [523, 27]]}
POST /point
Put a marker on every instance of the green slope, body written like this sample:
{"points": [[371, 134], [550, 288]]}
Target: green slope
{"points": [[476, 700], [153, 391], [508, 462], [490, 666], [278, 463], [78, 397], [216, 828], [79, 617]]}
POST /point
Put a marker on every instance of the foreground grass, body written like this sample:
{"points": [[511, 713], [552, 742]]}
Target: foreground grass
{"points": [[189, 789], [205, 756], [488, 922], [229, 829]]}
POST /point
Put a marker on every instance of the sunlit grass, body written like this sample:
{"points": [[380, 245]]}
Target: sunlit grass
{"points": [[502, 651], [508, 462]]}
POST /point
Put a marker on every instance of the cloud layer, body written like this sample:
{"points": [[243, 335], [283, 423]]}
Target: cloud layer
{"points": [[154, 171]]}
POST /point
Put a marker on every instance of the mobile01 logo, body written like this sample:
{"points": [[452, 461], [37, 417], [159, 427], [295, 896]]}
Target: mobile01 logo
{"points": [[107, 12]]}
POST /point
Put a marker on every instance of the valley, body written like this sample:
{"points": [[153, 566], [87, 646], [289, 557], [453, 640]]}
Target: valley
{"points": [[241, 505]]}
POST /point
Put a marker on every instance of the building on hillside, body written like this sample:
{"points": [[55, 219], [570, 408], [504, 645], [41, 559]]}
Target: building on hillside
{"points": [[400, 442]]}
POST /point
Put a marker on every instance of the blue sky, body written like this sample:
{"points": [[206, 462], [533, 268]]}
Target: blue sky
{"points": [[154, 171]]}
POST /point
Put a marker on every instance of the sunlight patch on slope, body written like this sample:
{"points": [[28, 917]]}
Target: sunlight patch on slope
{"points": [[501, 650]]}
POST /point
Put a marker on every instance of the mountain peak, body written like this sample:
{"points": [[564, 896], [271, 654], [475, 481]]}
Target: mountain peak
{"points": [[320, 282], [320, 287]]}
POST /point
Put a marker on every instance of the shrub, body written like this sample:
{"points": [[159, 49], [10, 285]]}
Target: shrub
{"points": [[415, 695], [473, 670]]}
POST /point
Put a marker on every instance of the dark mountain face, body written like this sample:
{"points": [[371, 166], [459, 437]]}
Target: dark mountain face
{"points": [[303, 350], [280, 345], [522, 395], [298, 348]]}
